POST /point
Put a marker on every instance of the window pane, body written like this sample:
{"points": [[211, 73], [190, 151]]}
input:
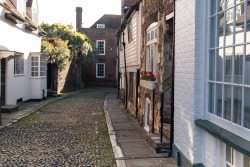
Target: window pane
{"points": [[229, 3], [246, 161], [228, 64], [220, 5], [220, 29], [152, 35], [212, 65], [218, 100], [248, 22], [228, 154], [211, 98], [229, 26], [247, 65], [212, 7], [219, 65], [247, 108], [238, 64], [239, 24], [237, 105], [212, 31], [227, 102], [148, 36]]}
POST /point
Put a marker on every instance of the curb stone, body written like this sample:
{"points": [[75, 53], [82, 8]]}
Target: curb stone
{"points": [[116, 149]]}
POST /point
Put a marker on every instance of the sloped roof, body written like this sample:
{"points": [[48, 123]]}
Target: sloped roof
{"points": [[110, 21], [11, 8]]}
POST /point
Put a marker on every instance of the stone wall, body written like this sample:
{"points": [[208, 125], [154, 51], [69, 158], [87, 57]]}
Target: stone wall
{"points": [[155, 11]]}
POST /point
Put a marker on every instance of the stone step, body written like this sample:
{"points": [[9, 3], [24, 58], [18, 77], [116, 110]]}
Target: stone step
{"points": [[154, 139], [9, 108]]}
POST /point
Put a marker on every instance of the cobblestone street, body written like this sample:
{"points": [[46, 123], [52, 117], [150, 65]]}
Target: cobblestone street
{"points": [[69, 132]]}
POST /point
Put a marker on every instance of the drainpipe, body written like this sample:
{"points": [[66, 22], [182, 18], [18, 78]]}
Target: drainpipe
{"points": [[118, 66], [126, 77], [172, 101]]}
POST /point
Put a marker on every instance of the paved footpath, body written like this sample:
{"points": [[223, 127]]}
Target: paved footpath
{"points": [[68, 132], [128, 138]]}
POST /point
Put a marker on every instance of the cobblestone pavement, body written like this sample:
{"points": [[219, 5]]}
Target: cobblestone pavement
{"points": [[68, 132]]}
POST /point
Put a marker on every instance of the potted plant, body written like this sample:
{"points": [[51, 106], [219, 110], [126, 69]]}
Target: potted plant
{"points": [[147, 80]]}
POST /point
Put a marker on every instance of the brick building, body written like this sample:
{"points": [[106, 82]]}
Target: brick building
{"points": [[104, 71]]}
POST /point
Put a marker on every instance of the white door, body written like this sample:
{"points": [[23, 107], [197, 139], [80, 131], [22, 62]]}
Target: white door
{"points": [[147, 111]]}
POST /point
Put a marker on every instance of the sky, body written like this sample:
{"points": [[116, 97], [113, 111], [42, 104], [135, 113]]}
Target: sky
{"points": [[63, 11]]}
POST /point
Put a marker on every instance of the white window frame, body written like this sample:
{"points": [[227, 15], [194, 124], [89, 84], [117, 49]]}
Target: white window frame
{"points": [[100, 26], [221, 121], [38, 66], [104, 44], [43, 66], [103, 70], [18, 72], [237, 158], [151, 38]]}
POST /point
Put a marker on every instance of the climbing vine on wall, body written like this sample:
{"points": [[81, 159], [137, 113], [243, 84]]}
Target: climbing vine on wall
{"points": [[62, 43]]}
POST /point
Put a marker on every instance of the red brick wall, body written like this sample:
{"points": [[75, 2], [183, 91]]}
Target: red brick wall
{"points": [[110, 80]]}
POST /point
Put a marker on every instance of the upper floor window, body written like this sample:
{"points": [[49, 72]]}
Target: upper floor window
{"points": [[101, 47], [100, 26], [21, 6], [229, 60], [151, 48], [35, 17], [130, 32], [18, 65]]}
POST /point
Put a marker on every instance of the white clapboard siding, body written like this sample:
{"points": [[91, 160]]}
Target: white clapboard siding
{"points": [[131, 48]]}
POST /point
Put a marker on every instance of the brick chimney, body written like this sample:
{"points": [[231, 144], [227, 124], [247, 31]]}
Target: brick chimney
{"points": [[78, 18]]}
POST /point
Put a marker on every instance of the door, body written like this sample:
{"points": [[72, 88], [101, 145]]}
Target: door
{"points": [[147, 111], [3, 81]]}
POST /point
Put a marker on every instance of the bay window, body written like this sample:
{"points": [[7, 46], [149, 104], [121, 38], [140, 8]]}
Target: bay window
{"points": [[38, 66], [229, 61]]}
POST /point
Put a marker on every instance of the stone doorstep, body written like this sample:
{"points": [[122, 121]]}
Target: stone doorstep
{"points": [[9, 108], [154, 140]]}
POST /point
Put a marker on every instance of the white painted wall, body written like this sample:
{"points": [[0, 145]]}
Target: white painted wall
{"points": [[14, 37], [191, 43], [189, 77]]}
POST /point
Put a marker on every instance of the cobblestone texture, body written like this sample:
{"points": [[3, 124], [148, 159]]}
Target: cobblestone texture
{"points": [[63, 133]]}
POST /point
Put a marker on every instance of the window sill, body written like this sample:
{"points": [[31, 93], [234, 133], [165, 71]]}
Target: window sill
{"points": [[231, 139], [38, 77], [100, 77], [19, 75]]}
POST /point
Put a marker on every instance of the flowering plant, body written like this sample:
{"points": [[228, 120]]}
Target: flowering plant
{"points": [[147, 75]]}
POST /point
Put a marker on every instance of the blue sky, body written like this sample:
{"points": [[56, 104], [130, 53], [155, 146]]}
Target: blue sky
{"points": [[63, 11]]}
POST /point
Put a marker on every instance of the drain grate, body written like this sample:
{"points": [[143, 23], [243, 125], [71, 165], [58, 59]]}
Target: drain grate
{"points": [[123, 136], [97, 113]]}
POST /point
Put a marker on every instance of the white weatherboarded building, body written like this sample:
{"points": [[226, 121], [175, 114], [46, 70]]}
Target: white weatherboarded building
{"points": [[23, 67], [212, 88]]}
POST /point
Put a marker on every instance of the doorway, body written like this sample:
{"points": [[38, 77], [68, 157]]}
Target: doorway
{"points": [[3, 84], [147, 113]]}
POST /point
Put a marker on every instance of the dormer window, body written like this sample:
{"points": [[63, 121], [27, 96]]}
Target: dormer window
{"points": [[35, 17], [100, 26], [21, 7]]}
